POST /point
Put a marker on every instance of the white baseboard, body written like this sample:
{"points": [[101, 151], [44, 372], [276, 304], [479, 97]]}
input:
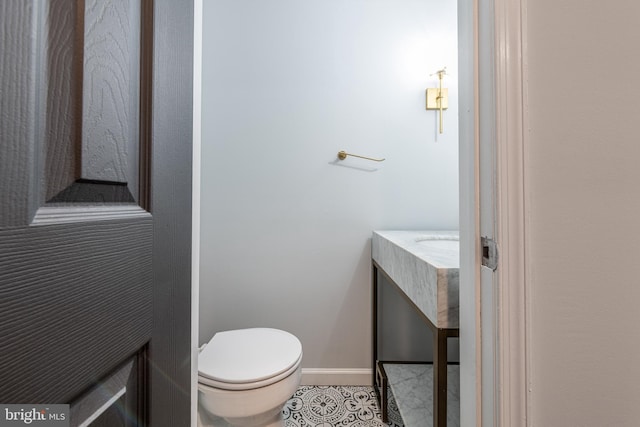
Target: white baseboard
{"points": [[312, 376]]}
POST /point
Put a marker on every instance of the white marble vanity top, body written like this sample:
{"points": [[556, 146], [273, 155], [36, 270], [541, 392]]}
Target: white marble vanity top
{"points": [[425, 265]]}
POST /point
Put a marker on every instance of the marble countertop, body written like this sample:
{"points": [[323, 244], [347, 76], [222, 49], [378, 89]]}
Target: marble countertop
{"points": [[425, 266]]}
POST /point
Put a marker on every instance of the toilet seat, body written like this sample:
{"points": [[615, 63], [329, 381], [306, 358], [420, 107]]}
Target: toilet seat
{"points": [[245, 359]]}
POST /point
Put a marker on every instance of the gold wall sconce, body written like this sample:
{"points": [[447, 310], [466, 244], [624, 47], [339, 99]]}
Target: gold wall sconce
{"points": [[438, 98]]}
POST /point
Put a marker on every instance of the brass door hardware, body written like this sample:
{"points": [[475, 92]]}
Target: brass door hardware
{"points": [[343, 155]]}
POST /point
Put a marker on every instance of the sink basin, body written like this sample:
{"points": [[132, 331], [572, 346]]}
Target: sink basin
{"points": [[425, 265], [438, 237], [442, 242]]}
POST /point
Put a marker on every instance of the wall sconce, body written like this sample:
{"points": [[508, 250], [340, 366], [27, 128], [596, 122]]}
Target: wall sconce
{"points": [[438, 98]]}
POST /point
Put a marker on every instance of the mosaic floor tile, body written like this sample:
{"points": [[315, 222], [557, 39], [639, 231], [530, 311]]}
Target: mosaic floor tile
{"points": [[337, 406], [331, 406]]}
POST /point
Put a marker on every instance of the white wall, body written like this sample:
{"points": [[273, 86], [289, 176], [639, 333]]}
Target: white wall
{"points": [[285, 225], [583, 212]]}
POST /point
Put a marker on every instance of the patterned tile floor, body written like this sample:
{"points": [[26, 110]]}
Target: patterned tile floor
{"points": [[333, 406]]}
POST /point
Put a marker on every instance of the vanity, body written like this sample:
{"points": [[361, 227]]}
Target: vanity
{"points": [[424, 267]]}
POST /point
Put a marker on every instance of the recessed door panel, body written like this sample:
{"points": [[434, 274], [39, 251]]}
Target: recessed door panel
{"points": [[110, 91], [90, 134]]}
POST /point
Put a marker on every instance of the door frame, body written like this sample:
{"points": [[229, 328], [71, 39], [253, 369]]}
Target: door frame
{"points": [[468, 161], [512, 347], [509, 396]]}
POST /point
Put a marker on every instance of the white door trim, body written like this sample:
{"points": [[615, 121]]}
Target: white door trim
{"points": [[513, 300], [470, 367]]}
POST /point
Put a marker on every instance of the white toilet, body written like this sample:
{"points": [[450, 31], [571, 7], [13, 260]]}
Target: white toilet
{"points": [[246, 376]]}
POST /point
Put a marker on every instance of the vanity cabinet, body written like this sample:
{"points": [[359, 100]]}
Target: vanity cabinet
{"points": [[423, 266]]}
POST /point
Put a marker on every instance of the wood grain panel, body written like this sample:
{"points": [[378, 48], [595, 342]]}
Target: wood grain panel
{"points": [[18, 30], [75, 301], [111, 92], [92, 58], [62, 85]]}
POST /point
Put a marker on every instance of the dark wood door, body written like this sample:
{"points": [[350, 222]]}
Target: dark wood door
{"points": [[95, 207]]}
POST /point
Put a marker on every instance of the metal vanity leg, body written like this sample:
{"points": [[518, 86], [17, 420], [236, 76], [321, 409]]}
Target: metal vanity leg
{"points": [[439, 378], [379, 379], [374, 320]]}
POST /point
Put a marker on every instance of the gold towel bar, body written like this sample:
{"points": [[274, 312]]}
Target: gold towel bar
{"points": [[343, 155]]}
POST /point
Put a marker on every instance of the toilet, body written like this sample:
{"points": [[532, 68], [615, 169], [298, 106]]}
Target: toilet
{"points": [[246, 376]]}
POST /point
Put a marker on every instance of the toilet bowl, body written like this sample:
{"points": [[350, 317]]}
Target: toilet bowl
{"points": [[246, 376]]}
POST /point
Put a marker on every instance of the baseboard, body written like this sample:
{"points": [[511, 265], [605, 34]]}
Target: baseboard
{"points": [[312, 376]]}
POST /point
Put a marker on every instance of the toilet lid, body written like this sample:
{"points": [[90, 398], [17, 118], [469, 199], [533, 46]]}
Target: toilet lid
{"points": [[248, 355]]}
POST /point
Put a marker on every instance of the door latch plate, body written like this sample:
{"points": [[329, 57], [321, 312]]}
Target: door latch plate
{"points": [[489, 253]]}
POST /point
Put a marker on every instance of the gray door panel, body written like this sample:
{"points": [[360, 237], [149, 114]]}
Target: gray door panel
{"points": [[95, 206], [76, 301]]}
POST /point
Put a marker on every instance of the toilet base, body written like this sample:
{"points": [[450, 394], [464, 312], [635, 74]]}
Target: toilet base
{"points": [[260, 407]]}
